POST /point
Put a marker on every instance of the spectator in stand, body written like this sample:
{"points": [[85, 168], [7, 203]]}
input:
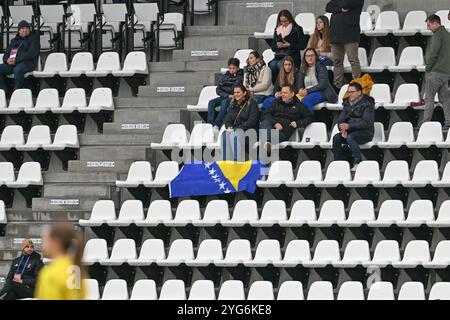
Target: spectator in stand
{"points": [[63, 278], [320, 40], [224, 90], [286, 114], [20, 57], [344, 36], [437, 70], [258, 77], [288, 40], [22, 274], [314, 84], [356, 124], [242, 115], [286, 77]]}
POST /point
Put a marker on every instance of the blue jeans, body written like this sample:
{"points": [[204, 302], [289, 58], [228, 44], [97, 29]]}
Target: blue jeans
{"points": [[19, 75], [354, 140], [267, 126], [275, 67], [312, 99], [212, 119], [232, 139]]}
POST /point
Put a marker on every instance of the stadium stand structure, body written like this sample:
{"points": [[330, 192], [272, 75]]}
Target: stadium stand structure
{"points": [[90, 140]]}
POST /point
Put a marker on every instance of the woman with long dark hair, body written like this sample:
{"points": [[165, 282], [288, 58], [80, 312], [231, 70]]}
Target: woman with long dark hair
{"points": [[320, 40], [288, 40], [314, 84], [63, 278], [242, 115], [258, 77]]}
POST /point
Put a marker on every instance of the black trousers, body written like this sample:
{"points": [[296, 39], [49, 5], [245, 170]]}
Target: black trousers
{"points": [[14, 291]]}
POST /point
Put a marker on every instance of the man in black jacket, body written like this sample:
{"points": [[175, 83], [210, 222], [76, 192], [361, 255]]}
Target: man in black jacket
{"points": [[356, 124], [20, 57], [286, 114], [224, 90], [344, 36], [23, 273]]}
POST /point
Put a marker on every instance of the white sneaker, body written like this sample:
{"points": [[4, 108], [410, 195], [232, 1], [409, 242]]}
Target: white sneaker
{"points": [[354, 167]]}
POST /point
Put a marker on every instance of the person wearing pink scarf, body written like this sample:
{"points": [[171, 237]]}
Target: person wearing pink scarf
{"points": [[288, 40]]}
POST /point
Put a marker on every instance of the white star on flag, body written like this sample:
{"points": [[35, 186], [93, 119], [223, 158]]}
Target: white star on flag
{"points": [[227, 191], [208, 165], [222, 186], [215, 176], [212, 171]]}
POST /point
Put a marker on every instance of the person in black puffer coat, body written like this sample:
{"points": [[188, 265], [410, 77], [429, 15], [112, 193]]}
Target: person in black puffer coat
{"points": [[242, 115], [344, 36], [23, 273], [20, 57], [356, 124]]}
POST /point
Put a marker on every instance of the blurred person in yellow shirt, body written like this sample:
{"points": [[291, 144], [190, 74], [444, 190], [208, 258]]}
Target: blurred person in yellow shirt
{"points": [[63, 278]]}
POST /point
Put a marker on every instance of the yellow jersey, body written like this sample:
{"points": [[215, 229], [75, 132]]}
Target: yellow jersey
{"points": [[60, 280]]}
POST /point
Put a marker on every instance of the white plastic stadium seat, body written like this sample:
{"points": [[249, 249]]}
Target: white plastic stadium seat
{"points": [[314, 134], [238, 251], [297, 252], [266, 252], [332, 212], [391, 212], [135, 63], [308, 173], [327, 252], [279, 173], [396, 173], [232, 290], [365, 22], [130, 211], [338, 105], [201, 135], [307, 21], [81, 63], [3, 219], [92, 289], [29, 174], [187, 211], [381, 93], [381, 291], [55, 63], [144, 289], [115, 289], [47, 100], [367, 173], [166, 171], [274, 212], [21, 99], [430, 133], [441, 258], [11, 136], [386, 253], [103, 211], [351, 290], [139, 173], [338, 172], [151, 251], [180, 251], [401, 133], [6, 173], [414, 23], [122, 250], [174, 135], [416, 252], [387, 22], [361, 212], [101, 100], [37, 138], [412, 290], [411, 58], [382, 58], [207, 93], [261, 290], [302, 212], [362, 55], [320, 290], [173, 290], [406, 94], [208, 251], [66, 136], [202, 290], [271, 23], [158, 212], [425, 173], [94, 251], [291, 290], [443, 14], [440, 291], [216, 211], [245, 211], [420, 212], [443, 218], [74, 98]]}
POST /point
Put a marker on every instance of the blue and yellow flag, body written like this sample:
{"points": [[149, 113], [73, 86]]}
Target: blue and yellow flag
{"points": [[221, 177]]}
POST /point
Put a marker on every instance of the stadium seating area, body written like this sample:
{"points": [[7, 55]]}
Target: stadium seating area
{"points": [[90, 141]]}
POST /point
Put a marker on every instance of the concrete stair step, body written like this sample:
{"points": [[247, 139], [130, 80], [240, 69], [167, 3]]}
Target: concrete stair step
{"points": [[216, 42], [77, 191], [74, 177], [210, 54], [174, 66], [115, 140], [171, 91], [24, 229], [52, 209], [21, 215], [181, 78], [166, 104], [114, 153], [192, 31], [143, 115], [120, 166]]}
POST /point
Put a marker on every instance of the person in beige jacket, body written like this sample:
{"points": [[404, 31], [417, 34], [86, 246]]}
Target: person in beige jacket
{"points": [[258, 77]]}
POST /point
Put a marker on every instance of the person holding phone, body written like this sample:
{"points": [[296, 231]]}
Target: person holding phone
{"points": [[20, 57]]}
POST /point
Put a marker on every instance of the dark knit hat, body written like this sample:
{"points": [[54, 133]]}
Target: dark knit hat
{"points": [[23, 24]]}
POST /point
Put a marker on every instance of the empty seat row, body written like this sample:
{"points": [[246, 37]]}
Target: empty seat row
{"points": [[39, 138], [268, 252], [29, 174], [367, 173], [245, 212], [83, 64], [48, 101], [140, 173], [145, 289]]}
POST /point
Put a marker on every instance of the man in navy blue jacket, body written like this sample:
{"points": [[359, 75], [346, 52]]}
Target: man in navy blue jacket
{"points": [[20, 57], [356, 124]]}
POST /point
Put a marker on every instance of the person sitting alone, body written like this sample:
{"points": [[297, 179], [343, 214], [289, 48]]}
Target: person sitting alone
{"points": [[23, 273], [224, 90], [20, 57], [285, 115], [356, 124]]}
